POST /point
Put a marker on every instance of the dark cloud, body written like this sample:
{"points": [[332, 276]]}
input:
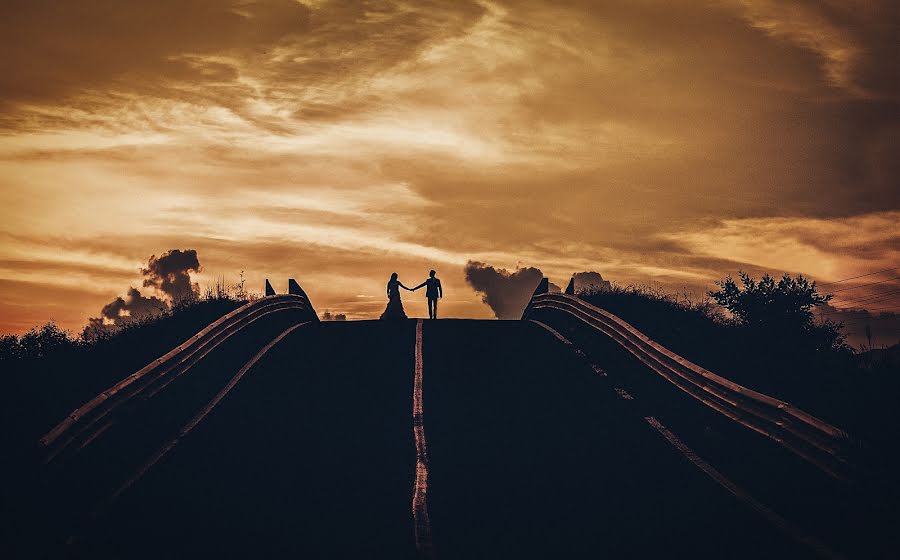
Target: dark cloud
{"points": [[170, 273], [506, 293], [884, 325], [197, 50], [590, 281], [856, 39], [53, 50], [133, 307]]}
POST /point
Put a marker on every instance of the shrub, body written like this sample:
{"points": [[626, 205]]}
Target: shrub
{"points": [[780, 312], [9, 347], [39, 342]]}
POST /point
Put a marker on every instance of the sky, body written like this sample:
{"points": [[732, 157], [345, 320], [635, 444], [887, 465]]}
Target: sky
{"points": [[664, 143]]}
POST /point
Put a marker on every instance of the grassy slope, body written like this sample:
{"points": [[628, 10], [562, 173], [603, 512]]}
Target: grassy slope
{"points": [[832, 386], [38, 392]]}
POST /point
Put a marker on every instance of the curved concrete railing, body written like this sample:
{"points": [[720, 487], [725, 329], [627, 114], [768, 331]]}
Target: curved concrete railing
{"points": [[809, 437], [83, 424]]}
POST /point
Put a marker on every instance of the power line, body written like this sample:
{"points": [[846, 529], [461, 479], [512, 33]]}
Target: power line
{"points": [[861, 276], [838, 310], [874, 291], [875, 301], [864, 285], [858, 299], [881, 295], [881, 300]]}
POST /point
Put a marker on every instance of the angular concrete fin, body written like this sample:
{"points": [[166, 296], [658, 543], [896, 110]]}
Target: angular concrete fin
{"points": [[270, 291], [542, 288], [570, 289], [294, 288]]}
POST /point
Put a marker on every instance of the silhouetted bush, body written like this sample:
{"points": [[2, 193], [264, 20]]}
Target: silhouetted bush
{"points": [[9, 347], [780, 312], [39, 342]]}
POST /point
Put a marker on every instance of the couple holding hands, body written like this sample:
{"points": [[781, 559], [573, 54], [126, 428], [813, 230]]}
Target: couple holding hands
{"points": [[433, 292]]}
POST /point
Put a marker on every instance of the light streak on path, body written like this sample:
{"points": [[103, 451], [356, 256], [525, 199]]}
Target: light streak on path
{"points": [[781, 523], [420, 490]]}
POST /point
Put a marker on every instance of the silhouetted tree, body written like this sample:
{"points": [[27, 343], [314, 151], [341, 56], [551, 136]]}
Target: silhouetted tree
{"points": [[780, 311], [769, 303], [9, 347], [38, 342]]}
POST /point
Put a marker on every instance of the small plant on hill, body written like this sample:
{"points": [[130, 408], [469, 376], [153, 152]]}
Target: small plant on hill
{"points": [[656, 311]]}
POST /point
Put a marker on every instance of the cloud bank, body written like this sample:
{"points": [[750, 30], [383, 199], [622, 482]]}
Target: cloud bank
{"points": [[506, 293], [589, 282], [170, 273], [133, 307]]}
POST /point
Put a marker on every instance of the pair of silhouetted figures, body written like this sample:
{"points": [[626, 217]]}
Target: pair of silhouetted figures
{"points": [[433, 292]]}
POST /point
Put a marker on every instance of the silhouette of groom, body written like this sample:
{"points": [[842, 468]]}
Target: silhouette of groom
{"points": [[433, 291]]}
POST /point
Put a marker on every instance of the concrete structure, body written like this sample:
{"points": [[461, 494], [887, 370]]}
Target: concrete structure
{"points": [[294, 288], [542, 288]]}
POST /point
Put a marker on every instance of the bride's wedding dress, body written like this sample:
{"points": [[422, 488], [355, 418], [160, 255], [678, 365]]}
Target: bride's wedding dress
{"points": [[394, 309]]}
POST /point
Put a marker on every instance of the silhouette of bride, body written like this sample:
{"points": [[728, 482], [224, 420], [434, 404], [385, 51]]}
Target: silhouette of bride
{"points": [[394, 309]]}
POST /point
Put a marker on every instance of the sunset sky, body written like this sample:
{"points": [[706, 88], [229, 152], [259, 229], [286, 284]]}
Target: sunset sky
{"points": [[337, 142]]}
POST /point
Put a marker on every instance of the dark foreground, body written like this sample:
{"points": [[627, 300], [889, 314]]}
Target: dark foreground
{"points": [[531, 453]]}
